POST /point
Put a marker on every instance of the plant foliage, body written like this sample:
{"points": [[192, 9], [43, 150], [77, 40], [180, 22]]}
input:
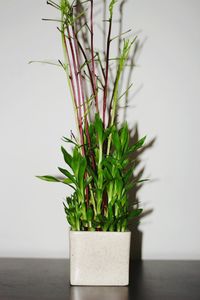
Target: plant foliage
{"points": [[99, 170]]}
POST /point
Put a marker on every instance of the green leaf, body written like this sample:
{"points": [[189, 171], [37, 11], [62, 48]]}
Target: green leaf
{"points": [[128, 175], [67, 156], [107, 174], [87, 181], [123, 200], [67, 174], [82, 169], [137, 145], [76, 162], [92, 173], [98, 124], [48, 178], [110, 212], [67, 181], [107, 132], [90, 214], [65, 139], [82, 211], [91, 129], [116, 140], [124, 137]]}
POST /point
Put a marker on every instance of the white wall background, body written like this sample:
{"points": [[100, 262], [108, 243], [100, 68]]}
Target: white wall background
{"points": [[35, 112]]}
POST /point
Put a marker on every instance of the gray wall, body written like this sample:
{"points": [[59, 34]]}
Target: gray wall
{"points": [[36, 112]]}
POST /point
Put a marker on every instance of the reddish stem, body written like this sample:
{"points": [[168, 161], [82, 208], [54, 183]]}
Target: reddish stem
{"points": [[79, 74], [88, 66], [80, 82], [82, 93], [92, 54], [78, 89], [76, 64]]}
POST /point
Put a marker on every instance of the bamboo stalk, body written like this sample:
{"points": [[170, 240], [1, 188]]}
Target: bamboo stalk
{"points": [[107, 69], [78, 89], [92, 56], [70, 80]]}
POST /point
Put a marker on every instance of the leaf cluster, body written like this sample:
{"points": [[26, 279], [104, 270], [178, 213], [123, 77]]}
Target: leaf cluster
{"points": [[100, 181]]}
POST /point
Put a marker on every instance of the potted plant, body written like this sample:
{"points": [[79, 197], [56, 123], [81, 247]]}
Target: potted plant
{"points": [[99, 167]]}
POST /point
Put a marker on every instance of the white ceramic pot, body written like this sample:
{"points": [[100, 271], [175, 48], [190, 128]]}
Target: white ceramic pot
{"points": [[99, 258]]}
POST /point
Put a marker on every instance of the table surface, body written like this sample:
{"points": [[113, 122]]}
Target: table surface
{"points": [[48, 279]]}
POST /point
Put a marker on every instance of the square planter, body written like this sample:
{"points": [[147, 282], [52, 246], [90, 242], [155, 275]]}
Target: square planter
{"points": [[99, 258]]}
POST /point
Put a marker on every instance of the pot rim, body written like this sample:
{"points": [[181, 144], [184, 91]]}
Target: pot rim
{"points": [[99, 232]]}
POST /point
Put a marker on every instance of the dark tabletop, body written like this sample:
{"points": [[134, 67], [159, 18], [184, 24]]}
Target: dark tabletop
{"points": [[43, 279]]}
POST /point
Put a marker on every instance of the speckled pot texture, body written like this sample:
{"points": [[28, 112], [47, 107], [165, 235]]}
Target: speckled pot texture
{"points": [[99, 258]]}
